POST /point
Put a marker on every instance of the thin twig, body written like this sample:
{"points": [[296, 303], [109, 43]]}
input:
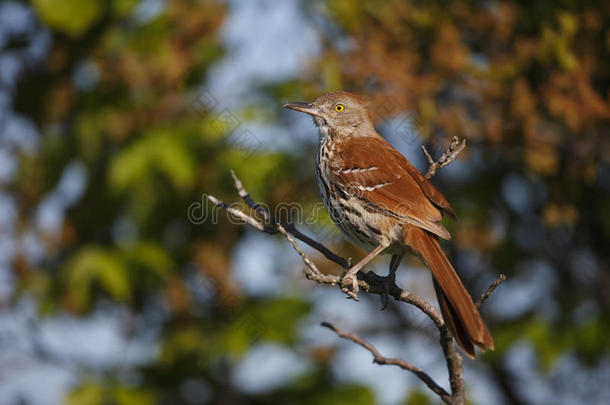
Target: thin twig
{"points": [[447, 157], [490, 290], [316, 245], [289, 227], [249, 201], [237, 213], [311, 271], [382, 360]]}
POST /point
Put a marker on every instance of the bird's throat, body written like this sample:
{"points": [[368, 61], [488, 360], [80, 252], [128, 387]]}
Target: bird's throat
{"points": [[324, 129]]}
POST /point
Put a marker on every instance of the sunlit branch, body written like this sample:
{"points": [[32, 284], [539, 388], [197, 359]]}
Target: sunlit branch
{"points": [[447, 157]]}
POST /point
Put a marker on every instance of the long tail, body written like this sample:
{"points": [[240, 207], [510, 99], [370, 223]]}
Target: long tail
{"points": [[459, 312]]}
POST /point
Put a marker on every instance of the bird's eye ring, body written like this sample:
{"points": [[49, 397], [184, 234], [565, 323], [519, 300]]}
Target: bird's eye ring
{"points": [[339, 107]]}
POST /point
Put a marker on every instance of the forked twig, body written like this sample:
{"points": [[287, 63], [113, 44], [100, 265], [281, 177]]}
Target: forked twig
{"points": [[447, 157], [490, 290]]}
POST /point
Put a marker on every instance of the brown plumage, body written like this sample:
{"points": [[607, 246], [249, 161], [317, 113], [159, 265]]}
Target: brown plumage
{"points": [[383, 204]]}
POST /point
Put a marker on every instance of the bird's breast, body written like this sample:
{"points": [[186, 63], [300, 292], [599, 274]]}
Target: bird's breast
{"points": [[360, 221]]}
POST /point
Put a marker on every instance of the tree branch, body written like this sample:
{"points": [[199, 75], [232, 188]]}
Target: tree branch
{"points": [[289, 227], [370, 281], [490, 290], [447, 157], [382, 360]]}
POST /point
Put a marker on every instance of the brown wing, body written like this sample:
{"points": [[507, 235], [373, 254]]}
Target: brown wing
{"points": [[374, 171], [431, 192]]}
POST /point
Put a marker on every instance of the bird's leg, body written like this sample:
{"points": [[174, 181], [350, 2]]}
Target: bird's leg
{"points": [[390, 279], [350, 275]]}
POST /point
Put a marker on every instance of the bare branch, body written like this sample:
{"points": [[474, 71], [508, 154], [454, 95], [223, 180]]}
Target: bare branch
{"points": [[237, 213], [490, 290], [452, 357], [289, 227], [447, 157], [311, 271], [248, 200], [316, 245], [428, 157], [382, 360]]}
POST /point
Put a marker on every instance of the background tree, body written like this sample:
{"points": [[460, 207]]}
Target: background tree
{"points": [[115, 120]]}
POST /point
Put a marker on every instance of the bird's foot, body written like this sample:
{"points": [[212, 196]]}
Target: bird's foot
{"points": [[351, 276], [350, 279]]}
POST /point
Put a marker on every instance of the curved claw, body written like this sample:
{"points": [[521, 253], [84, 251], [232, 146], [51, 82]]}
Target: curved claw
{"points": [[353, 294], [350, 294]]}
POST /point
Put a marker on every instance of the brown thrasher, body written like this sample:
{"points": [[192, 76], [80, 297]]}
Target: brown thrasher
{"points": [[383, 204]]}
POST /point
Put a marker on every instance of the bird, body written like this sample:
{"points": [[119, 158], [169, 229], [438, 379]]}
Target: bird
{"points": [[383, 204]]}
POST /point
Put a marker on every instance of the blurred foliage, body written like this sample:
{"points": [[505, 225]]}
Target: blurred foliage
{"points": [[526, 83]]}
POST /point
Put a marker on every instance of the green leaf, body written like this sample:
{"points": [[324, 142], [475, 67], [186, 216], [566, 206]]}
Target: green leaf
{"points": [[86, 394], [150, 257], [241, 334], [94, 264], [267, 165], [70, 16], [159, 152], [184, 343], [129, 396], [416, 397], [280, 318], [345, 395], [123, 7]]}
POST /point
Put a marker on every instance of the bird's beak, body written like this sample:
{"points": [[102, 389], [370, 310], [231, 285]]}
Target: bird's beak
{"points": [[307, 108]]}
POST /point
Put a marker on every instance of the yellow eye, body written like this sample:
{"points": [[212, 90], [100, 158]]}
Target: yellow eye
{"points": [[339, 107]]}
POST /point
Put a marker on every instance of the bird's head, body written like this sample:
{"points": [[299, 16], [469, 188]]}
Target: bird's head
{"points": [[340, 113]]}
